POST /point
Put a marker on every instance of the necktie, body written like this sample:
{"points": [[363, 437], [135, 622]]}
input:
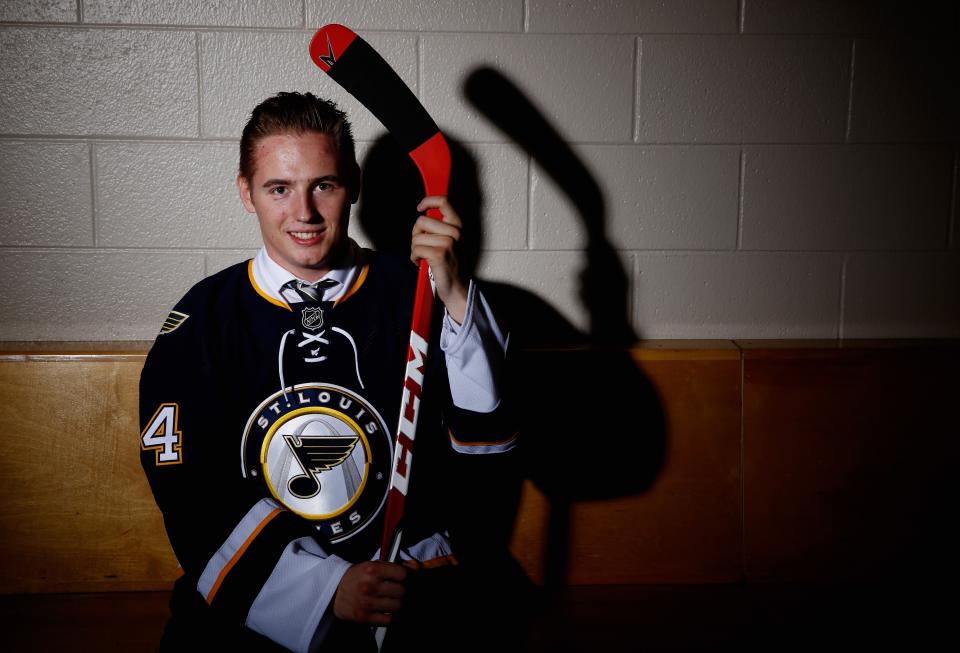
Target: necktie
{"points": [[309, 292]]}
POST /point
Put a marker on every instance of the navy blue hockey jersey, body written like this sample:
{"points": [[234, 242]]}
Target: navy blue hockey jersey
{"points": [[267, 438]]}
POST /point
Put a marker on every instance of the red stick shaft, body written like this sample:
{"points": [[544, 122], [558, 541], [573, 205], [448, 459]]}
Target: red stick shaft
{"points": [[433, 161], [409, 414]]}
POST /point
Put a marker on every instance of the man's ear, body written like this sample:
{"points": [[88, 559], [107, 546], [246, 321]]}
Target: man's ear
{"points": [[243, 185]]}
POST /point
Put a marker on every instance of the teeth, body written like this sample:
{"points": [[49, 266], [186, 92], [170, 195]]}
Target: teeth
{"points": [[304, 235]]}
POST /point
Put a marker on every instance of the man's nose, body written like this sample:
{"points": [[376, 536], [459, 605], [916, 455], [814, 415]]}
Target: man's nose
{"points": [[307, 208]]}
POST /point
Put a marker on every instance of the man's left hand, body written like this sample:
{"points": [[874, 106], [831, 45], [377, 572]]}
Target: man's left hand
{"points": [[436, 242]]}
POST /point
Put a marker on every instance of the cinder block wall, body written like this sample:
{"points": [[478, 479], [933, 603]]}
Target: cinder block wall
{"points": [[769, 168]]}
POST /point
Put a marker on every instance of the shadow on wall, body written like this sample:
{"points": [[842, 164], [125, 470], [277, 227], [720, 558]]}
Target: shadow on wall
{"points": [[592, 425]]}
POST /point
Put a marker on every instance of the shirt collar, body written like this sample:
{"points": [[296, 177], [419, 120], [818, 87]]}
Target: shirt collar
{"points": [[270, 276]]}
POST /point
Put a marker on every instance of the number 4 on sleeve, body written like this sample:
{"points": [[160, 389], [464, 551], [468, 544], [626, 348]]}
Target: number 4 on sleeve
{"points": [[163, 435]]}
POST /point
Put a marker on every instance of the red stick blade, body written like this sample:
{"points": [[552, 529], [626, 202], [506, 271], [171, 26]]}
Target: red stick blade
{"points": [[433, 160], [329, 44]]}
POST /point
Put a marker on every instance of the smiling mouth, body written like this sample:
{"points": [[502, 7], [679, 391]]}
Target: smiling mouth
{"points": [[306, 237]]}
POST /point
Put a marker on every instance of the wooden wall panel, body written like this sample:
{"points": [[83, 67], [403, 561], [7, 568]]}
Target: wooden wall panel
{"points": [[846, 452], [531, 531], [657, 533], [848, 459], [76, 512]]}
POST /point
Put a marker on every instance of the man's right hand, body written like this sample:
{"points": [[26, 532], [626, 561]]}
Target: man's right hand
{"points": [[370, 593]]}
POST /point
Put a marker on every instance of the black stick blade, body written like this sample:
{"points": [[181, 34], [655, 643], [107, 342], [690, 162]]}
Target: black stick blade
{"points": [[357, 67]]}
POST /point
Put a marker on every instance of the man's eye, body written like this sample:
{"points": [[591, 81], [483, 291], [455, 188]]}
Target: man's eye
{"points": [[278, 190], [325, 186]]}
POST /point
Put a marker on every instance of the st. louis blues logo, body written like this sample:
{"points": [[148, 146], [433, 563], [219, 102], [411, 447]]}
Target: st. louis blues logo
{"points": [[324, 452], [312, 318], [317, 454]]}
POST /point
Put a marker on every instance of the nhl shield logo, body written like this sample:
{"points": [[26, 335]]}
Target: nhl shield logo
{"points": [[312, 318]]}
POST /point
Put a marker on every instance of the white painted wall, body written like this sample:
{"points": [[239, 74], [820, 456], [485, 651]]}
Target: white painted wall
{"points": [[771, 168]]}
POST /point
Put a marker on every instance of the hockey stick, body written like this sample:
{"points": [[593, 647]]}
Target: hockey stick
{"points": [[352, 63]]}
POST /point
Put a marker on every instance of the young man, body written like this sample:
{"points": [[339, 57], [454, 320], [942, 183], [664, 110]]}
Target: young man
{"points": [[269, 405]]}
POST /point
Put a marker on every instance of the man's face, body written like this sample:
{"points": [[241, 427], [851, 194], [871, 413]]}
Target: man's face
{"points": [[301, 199]]}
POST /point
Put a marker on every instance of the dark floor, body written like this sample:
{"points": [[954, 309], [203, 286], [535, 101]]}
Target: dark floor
{"points": [[607, 619], [122, 621], [745, 618]]}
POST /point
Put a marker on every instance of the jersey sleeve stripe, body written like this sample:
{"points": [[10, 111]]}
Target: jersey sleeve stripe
{"points": [[292, 606], [262, 513], [433, 563], [430, 552], [496, 446]]}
